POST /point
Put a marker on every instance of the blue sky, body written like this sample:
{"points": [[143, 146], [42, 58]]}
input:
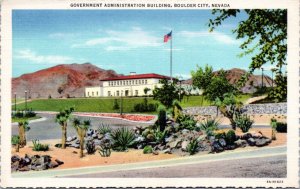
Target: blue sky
{"points": [[123, 40]]}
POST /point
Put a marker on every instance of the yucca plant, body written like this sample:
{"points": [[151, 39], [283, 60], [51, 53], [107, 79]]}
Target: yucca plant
{"points": [[81, 128], [37, 146], [23, 125], [186, 122], [15, 140], [273, 125], [176, 109], [62, 118], [244, 122], [192, 147], [209, 125], [159, 135], [103, 129], [122, 139]]}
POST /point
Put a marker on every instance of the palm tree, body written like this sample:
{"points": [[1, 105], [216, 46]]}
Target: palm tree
{"points": [[23, 125], [62, 118], [81, 128]]}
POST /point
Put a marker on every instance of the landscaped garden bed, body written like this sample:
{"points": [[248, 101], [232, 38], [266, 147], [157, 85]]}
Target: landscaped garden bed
{"points": [[130, 117]]}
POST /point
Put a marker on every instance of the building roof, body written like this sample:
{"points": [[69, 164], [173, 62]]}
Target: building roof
{"points": [[137, 76]]}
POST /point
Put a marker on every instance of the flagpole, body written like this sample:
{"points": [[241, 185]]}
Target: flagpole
{"points": [[171, 46]]}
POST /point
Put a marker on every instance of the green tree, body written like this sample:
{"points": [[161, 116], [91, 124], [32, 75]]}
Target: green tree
{"points": [[166, 93], [81, 128], [146, 90], [62, 118], [116, 105], [202, 78], [264, 32], [218, 87]]}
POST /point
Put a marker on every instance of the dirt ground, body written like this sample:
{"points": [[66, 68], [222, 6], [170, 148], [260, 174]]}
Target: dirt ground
{"points": [[70, 156]]}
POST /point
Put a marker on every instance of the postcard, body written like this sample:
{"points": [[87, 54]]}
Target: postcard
{"points": [[149, 93]]}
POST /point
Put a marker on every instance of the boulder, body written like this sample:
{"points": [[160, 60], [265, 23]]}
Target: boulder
{"points": [[150, 137], [230, 147], [240, 143], [216, 147], [100, 136], [169, 139], [25, 168], [155, 152], [90, 132], [59, 162], [167, 151], [246, 136], [69, 139], [184, 144], [52, 164], [222, 142], [251, 141], [95, 136], [75, 146], [261, 142], [15, 158], [39, 167], [174, 144], [15, 166]]}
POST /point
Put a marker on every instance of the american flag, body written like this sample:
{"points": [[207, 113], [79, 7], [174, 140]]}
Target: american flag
{"points": [[167, 37]]}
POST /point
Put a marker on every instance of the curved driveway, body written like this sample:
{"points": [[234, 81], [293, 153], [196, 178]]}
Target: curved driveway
{"points": [[48, 129]]}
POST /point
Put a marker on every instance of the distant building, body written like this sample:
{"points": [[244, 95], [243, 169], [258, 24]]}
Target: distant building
{"points": [[130, 85]]}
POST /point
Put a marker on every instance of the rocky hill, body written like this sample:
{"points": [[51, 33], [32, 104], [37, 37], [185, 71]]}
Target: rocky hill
{"points": [[235, 74], [60, 81]]}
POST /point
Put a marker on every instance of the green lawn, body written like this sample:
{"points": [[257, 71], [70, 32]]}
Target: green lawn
{"points": [[23, 119], [104, 104]]}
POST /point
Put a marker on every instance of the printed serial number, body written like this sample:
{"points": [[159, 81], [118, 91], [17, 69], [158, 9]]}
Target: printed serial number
{"points": [[274, 181]]}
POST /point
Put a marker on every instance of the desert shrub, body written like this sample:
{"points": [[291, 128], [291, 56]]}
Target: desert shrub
{"points": [[209, 125], [90, 147], [230, 137], [219, 135], [162, 117], [145, 106], [159, 135], [116, 105], [186, 122], [29, 113], [244, 122], [281, 127], [147, 150], [104, 128], [15, 139], [122, 139], [105, 148], [192, 147], [37, 146]]}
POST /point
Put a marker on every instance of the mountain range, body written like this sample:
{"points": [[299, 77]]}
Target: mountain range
{"points": [[70, 80]]}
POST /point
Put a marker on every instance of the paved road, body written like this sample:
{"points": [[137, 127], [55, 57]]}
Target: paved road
{"points": [[271, 167], [48, 129], [253, 162]]}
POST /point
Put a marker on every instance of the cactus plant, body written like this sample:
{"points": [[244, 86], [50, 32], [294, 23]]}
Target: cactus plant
{"points": [[162, 117]]}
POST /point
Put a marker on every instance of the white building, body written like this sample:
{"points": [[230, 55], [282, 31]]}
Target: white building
{"points": [[131, 85]]}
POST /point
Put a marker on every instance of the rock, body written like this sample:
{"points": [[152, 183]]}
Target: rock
{"points": [[97, 142], [90, 132], [184, 144], [74, 152], [95, 136], [15, 166], [46, 159], [256, 135], [174, 144], [204, 146], [15, 158], [52, 164], [251, 141], [59, 162], [185, 131], [230, 147], [240, 143], [216, 147], [100, 136], [69, 139], [77, 142], [169, 139], [75, 146], [261, 142], [74, 137], [140, 139], [222, 142], [25, 168], [245, 136], [155, 152], [35, 160], [39, 167], [167, 151], [161, 147]]}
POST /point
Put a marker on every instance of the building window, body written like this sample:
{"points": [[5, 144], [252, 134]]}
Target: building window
{"points": [[146, 81], [92, 93], [136, 93], [118, 93], [136, 82], [108, 93], [126, 82], [139, 81], [88, 93]]}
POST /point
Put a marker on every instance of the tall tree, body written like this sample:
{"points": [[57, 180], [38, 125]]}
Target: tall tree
{"points": [[62, 119], [264, 32], [202, 78], [81, 128], [166, 93]]}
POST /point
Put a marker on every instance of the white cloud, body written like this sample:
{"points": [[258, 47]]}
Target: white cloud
{"points": [[27, 54], [61, 35], [123, 40], [217, 36]]}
